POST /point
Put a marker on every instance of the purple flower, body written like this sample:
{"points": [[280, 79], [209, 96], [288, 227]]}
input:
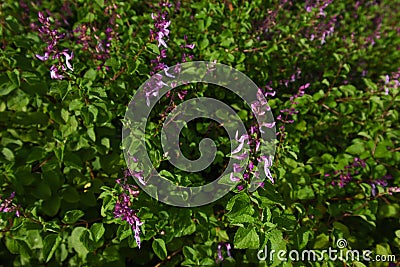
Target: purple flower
{"points": [[220, 258], [268, 125], [219, 251], [182, 94], [7, 205], [241, 157], [251, 165], [136, 174], [228, 249], [44, 57], [54, 73], [51, 37], [166, 68], [68, 58], [241, 141], [123, 210], [240, 187], [153, 86], [267, 164], [234, 178], [392, 190], [237, 168], [161, 30]]}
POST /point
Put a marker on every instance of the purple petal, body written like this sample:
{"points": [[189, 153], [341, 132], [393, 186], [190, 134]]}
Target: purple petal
{"points": [[44, 57], [233, 178]]}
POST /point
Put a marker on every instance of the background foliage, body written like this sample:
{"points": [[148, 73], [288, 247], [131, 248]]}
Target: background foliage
{"points": [[332, 71]]}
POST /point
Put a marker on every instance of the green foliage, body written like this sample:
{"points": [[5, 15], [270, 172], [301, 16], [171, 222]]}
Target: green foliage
{"points": [[60, 140]]}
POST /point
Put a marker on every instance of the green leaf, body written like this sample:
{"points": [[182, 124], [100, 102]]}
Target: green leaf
{"points": [[239, 205], [8, 154], [50, 245], [190, 253], [355, 149], [321, 241], [381, 151], [17, 246], [51, 206], [246, 238], [71, 195], [277, 243], [72, 216], [389, 211], [87, 240], [154, 48], [34, 239], [90, 75], [97, 230], [159, 248], [305, 192], [76, 243], [397, 233], [42, 191], [91, 134]]}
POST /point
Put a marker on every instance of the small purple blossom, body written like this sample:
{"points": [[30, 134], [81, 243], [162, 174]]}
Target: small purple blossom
{"points": [[267, 165], [153, 87], [381, 182], [346, 175], [136, 174], [391, 81], [228, 247], [240, 187], [54, 73], [7, 205], [51, 37], [392, 190], [123, 208], [241, 141], [161, 24]]}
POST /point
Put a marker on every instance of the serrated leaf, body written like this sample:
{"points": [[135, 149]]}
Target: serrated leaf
{"points": [[246, 238]]}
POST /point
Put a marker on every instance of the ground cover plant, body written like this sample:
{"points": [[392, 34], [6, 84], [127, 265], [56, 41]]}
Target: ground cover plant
{"points": [[329, 70]]}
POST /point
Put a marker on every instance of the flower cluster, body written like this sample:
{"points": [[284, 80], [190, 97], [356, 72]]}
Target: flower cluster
{"points": [[266, 27], [287, 113], [97, 41], [381, 182], [123, 208], [393, 189], [51, 37], [253, 141], [24, 6], [376, 34], [186, 56], [346, 175], [228, 251], [324, 27], [392, 81], [7, 205], [320, 5], [160, 33], [293, 78]]}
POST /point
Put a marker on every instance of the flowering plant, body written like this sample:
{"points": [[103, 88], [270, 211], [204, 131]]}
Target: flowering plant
{"points": [[329, 71]]}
